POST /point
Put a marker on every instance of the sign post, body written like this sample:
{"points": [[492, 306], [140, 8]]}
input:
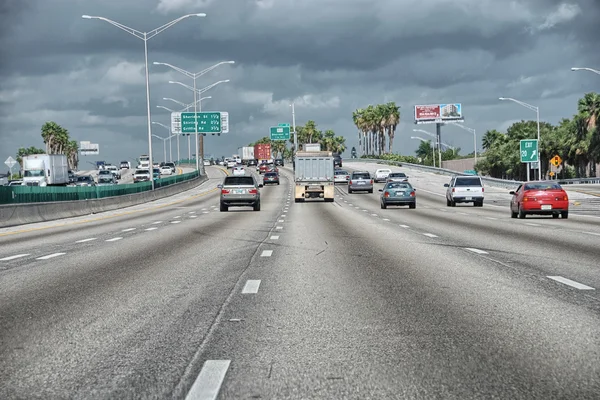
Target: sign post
{"points": [[556, 161], [280, 132], [529, 153]]}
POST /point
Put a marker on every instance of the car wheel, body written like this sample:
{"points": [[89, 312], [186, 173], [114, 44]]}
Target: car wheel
{"points": [[278, 183], [554, 215], [257, 206], [564, 214], [448, 203], [413, 205], [383, 205], [349, 191], [223, 207], [513, 214], [371, 191], [478, 204], [452, 203], [521, 213]]}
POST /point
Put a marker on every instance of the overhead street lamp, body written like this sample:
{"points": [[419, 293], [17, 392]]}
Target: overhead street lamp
{"points": [[432, 147], [586, 69], [172, 111], [170, 149], [164, 144], [187, 106], [145, 36], [194, 76], [474, 136], [537, 112], [199, 146], [295, 134], [438, 143]]}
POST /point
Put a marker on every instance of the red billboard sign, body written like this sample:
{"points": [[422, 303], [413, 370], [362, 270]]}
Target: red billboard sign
{"points": [[433, 113], [427, 112]]}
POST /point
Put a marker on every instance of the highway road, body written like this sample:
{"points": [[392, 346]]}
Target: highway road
{"points": [[127, 174], [175, 299]]}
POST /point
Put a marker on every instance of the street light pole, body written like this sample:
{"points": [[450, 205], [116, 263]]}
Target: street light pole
{"points": [[145, 36], [194, 76], [474, 136], [170, 136], [295, 133], [168, 109], [537, 112], [586, 69]]}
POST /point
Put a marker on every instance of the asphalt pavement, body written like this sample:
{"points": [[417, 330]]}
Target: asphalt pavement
{"points": [[174, 299]]}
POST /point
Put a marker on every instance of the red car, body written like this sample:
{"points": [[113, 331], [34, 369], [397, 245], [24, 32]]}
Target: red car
{"points": [[542, 198]]}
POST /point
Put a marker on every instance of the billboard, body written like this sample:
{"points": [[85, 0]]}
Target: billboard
{"points": [[89, 149], [438, 113]]}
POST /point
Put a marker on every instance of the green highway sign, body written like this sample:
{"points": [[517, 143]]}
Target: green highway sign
{"points": [[280, 133], [208, 122], [529, 151], [288, 125]]}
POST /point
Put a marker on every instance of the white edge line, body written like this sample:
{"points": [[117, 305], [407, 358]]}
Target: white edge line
{"points": [[208, 383], [571, 283]]}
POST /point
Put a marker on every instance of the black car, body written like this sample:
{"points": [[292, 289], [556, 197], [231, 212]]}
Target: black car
{"points": [[271, 178], [337, 160], [278, 161]]}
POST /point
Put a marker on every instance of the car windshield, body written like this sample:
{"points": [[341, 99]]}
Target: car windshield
{"points": [[104, 180], [341, 172], [464, 181], [270, 174], [361, 176], [239, 180], [542, 186], [398, 185], [141, 171], [84, 179], [398, 175]]}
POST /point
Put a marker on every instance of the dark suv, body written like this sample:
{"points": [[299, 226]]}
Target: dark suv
{"points": [[240, 191], [337, 160]]}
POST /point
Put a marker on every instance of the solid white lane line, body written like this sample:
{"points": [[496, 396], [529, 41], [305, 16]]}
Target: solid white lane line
{"points": [[175, 222], [431, 235], [49, 256], [476, 250], [114, 239], [151, 229], [209, 380], [266, 253], [571, 283], [592, 233], [530, 224], [85, 240], [274, 237], [251, 287], [128, 230], [13, 257], [404, 226]]}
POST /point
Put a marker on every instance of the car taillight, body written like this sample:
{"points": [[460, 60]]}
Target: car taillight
{"points": [[566, 198], [253, 191], [453, 190], [371, 181], [224, 191], [350, 182], [347, 176], [528, 198], [482, 190], [386, 194], [412, 194]]}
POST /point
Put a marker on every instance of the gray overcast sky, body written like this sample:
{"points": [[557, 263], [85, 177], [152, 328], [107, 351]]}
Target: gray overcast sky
{"points": [[328, 56]]}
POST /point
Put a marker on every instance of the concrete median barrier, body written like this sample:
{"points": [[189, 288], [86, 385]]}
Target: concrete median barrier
{"points": [[27, 213]]}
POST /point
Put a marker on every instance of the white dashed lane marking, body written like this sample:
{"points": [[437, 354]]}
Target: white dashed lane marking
{"points": [[281, 220], [114, 239], [274, 237], [386, 219], [251, 287], [279, 227], [151, 229], [175, 222], [128, 230], [13, 257], [157, 222], [193, 216], [404, 226], [478, 251], [530, 224], [209, 380], [571, 283], [266, 253], [85, 240], [431, 235], [49, 256]]}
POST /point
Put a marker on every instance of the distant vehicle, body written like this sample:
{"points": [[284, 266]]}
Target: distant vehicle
{"points": [[115, 171], [464, 189], [15, 183], [144, 162], [341, 176], [72, 177], [156, 173], [45, 170], [314, 176], [86, 180], [141, 175], [206, 163], [239, 171], [125, 165], [398, 194], [542, 198], [271, 178], [397, 177], [246, 153], [166, 170], [171, 165], [105, 172], [360, 181], [382, 174], [106, 180], [231, 163], [337, 160], [278, 161], [239, 191]]}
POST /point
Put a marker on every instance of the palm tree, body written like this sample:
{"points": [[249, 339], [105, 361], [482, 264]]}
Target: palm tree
{"points": [[393, 119], [489, 138]]}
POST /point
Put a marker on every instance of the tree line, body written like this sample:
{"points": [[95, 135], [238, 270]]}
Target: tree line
{"points": [[575, 140], [57, 141], [307, 133], [373, 124]]}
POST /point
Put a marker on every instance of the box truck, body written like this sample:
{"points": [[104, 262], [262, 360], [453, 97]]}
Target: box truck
{"points": [[45, 170], [246, 154], [262, 152]]}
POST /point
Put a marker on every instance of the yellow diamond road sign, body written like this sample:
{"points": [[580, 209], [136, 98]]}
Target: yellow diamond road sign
{"points": [[556, 160]]}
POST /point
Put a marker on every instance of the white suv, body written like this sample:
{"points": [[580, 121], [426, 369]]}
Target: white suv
{"points": [[464, 189], [381, 175]]}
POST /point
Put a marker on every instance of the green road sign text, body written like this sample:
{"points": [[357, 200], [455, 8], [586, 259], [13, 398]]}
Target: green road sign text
{"points": [[208, 122], [280, 133], [529, 151]]}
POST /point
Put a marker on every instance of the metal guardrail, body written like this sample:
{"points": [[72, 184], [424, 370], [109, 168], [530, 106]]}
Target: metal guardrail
{"points": [[489, 180]]}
